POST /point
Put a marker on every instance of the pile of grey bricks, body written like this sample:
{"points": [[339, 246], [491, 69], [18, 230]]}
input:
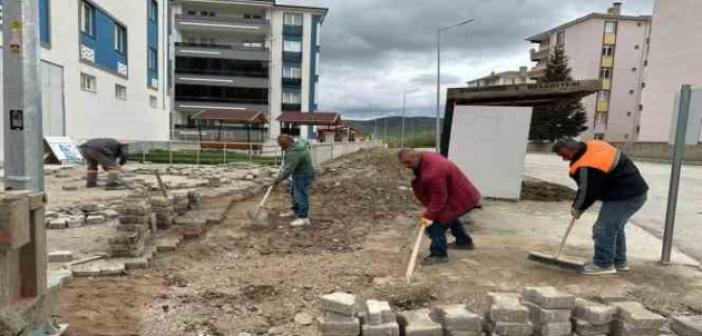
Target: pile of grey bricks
{"points": [[507, 316], [378, 319], [633, 319], [457, 320], [549, 310], [181, 203], [592, 319], [164, 208], [78, 216], [340, 315], [136, 224]]}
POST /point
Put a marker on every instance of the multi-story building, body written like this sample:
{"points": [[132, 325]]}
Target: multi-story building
{"points": [[609, 46], [503, 78], [102, 71], [245, 55], [675, 58]]}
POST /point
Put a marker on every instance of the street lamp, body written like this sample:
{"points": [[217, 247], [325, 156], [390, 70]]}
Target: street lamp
{"points": [[404, 107], [438, 78]]}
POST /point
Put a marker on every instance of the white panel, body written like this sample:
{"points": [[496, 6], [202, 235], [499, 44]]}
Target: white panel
{"points": [[52, 99], [489, 144], [693, 135]]}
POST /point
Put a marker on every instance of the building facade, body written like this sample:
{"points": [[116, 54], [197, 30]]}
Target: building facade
{"points": [[609, 46], [102, 72], [503, 78], [675, 58], [245, 55]]}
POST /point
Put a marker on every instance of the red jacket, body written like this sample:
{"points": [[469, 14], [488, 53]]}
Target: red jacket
{"points": [[443, 189]]}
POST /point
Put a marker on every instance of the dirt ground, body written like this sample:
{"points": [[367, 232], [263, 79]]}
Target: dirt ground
{"points": [[256, 279], [542, 191]]}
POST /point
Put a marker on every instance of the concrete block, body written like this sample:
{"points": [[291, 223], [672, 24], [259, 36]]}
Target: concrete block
{"points": [[507, 299], [636, 316], [69, 188], [14, 219], [509, 312], [418, 323], [457, 318], [113, 270], [75, 221], [621, 328], [540, 315], [338, 325], [511, 329], [388, 329], [549, 298], [86, 271], [585, 328], [142, 219], [139, 263], [594, 313], [97, 219], [59, 278], [554, 329], [58, 223], [378, 312], [61, 256], [110, 214], [687, 325], [340, 303]]}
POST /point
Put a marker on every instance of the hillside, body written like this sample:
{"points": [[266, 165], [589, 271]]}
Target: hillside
{"points": [[413, 126]]}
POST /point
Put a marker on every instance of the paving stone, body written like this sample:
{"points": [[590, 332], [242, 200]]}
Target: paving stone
{"points": [[549, 298], [388, 329], [58, 278], [585, 328], [83, 272], [69, 188], [554, 329], [139, 263], [340, 303], [60, 256], [113, 270], [540, 315], [378, 312], [97, 219], [457, 318], [593, 312], [110, 214], [418, 323], [75, 221], [621, 328], [687, 325], [338, 325], [511, 329], [636, 316], [508, 309]]}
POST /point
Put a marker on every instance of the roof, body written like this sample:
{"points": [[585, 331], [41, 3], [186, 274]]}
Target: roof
{"points": [[504, 74], [320, 10], [547, 34], [233, 116], [311, 118], [531, 94]]}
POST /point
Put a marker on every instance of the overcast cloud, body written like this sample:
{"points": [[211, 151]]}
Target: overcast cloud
{"points": [[373, 50]]}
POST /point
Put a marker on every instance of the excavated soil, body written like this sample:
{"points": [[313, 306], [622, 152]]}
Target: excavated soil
{"points": [[541, 191]]}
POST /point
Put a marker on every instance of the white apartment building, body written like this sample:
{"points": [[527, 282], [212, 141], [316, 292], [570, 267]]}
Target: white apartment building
{"points": [[503, 78], [609, 46], [675, 58], [102, 71], [245, 55]]}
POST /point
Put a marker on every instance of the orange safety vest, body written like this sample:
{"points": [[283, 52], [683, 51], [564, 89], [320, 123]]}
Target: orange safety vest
{"points": [[599, 155]]}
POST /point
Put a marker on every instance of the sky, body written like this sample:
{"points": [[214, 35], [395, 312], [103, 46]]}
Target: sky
{"points": [[374, 50]]}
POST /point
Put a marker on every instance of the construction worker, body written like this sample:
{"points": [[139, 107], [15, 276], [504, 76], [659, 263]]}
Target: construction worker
{"points": [[298, 164], [447, 195], [110, 154], [604, 173]]}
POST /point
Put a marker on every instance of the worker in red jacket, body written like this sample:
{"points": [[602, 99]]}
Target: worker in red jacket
{"points": [[447, 195]]}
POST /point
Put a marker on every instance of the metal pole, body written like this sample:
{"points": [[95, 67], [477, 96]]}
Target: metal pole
{"points": [[438, 90], [678, 151], [23, 134], [404, 103]]}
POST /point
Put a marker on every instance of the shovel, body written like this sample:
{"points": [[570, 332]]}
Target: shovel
{"points": [[557, 259], [256, 217]]}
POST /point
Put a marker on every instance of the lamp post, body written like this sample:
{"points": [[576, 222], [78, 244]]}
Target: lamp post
{"points": [[438, 79], [404, 107]]}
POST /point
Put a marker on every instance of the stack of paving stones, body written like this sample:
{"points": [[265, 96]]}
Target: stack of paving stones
{"points": [[507, 316], [164, 209], [687, 325], [457, 320], [194, 200], [181, 203], [339, 315], [418, 323], [86, 214], [633, 319], [549, 310], [378, 319], [135, 227], [592, 319]]}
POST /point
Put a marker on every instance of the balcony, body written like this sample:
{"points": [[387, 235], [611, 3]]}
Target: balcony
{"points": [[292, 56], [607, 61], [292, 30], [537, 55], [237, 52], [200, 23], [537, 72], [609, 38], [228, 81], [606, 84], [287, 107], [292, 82], [602, 106]]}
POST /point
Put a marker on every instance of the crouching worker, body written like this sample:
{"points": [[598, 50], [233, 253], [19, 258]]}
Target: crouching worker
{"points": [[108, 153]]}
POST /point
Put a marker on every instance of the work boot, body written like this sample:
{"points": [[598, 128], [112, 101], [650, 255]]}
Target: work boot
{"points": [[592, 269], [301, 222], [434, 260], [114, 181], [465, 247], [623, 268], [91, 180], [287, 214]]}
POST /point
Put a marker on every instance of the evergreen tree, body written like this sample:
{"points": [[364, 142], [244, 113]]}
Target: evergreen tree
{"points": [[561, 119]]}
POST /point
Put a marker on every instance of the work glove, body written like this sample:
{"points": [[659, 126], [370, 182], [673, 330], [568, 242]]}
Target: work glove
{"points": [[576, 213]]}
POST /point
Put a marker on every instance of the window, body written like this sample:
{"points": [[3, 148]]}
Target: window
{"points": [[603, 95], [292, 46], [190, 12], [88, 82], [44, 22], [608, 50], [153, 101], [636, 47], [292, 72], [560, 38], [605, 73], [121, 92], [153, 10], [610, 27], [153, 59], [600, 118], [120, 39], [87, 16], [634, 69], [631, 92], [253, 45], [293, 19], [291, 97], [319, 34]]}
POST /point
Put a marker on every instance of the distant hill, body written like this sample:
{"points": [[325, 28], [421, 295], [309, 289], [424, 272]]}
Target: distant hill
{"points": [[413, 126]]}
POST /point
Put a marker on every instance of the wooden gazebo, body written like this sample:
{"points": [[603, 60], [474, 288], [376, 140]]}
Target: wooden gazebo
{"points": [[290, 121], [231, 128]]}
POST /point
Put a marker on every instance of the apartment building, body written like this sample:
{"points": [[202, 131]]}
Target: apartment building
{"points": [[609, 46], [102, 71], [675, 58], [503, 78], [245, 55]]}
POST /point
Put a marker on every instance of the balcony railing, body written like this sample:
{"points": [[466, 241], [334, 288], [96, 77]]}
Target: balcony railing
{"points": [[292, 30], [253, 101], [540, 54], [292, 107], [229, 73], [223, 19], [292, 81], [220, 46], [291, 56]]}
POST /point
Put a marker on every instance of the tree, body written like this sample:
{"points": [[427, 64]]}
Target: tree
{"points": [[559, 119]]}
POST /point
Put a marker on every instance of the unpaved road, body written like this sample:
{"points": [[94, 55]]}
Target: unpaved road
{"points": [[256, 279]]}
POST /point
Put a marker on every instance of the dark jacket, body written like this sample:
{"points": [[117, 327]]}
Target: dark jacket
{"points": [[622, 183], [443, 189], [106, 149]]}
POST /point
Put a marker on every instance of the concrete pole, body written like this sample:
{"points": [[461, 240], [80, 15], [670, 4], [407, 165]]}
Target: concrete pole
{"points": [[24, 146], [678, 151]]}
